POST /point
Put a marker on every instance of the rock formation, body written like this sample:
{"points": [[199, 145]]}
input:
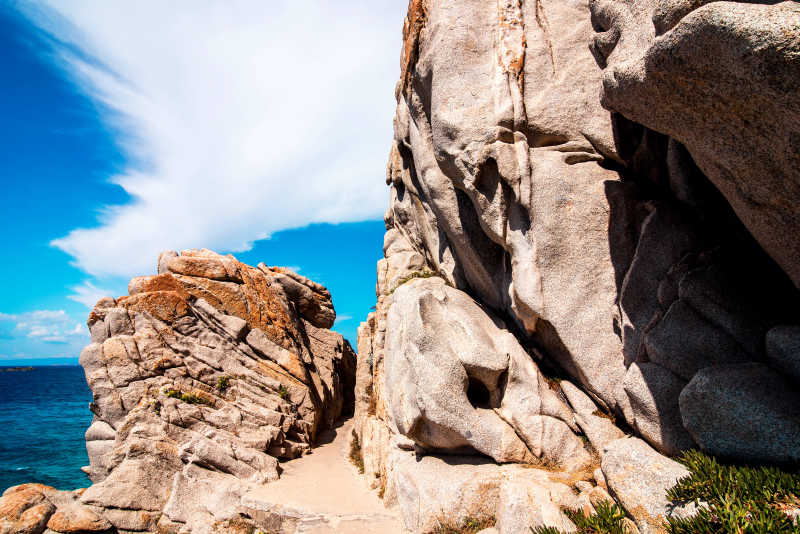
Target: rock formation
{"points": [[592, 232], [203, 377]]}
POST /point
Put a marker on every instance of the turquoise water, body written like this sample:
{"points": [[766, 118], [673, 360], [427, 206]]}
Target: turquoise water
{"points": [[43, 415]]}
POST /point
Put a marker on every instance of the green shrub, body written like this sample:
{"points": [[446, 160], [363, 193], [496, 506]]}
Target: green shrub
{"points": [[738, 499], [607, 519], [283, 392], [189, 398], [223, 383], [741, 499]]}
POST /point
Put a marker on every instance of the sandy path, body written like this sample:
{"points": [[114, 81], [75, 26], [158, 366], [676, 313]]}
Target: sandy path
{"points": [[326, 493]]}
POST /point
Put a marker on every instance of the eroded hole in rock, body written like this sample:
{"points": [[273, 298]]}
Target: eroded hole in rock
{"points": [[478, 394]]}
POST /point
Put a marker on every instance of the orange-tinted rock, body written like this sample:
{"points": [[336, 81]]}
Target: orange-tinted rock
{"points": [[205, 267], [163, 305], [25, 509], [77, 519]]}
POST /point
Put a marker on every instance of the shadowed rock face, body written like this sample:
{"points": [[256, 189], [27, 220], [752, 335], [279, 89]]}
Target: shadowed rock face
{"points": [[204, 375], [721, 78]]}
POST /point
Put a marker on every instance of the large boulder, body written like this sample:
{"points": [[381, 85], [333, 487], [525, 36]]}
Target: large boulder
{"points": [[638, 477], [616, 250], [434, 492], [455, 381], [745, 411]]}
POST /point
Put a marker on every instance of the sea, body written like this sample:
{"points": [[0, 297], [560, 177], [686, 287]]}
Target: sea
{"points": [[44, 412]]}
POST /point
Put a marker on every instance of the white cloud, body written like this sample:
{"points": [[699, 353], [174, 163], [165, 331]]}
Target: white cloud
{"points": [[53, 326], [239, 118], [88, 294], [342, 318]]}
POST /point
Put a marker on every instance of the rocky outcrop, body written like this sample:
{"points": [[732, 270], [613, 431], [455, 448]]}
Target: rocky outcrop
{"points": [[203, 377], [581, 234], [602, 243]]}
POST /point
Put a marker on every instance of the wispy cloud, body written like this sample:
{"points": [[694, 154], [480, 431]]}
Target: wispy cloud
{"points": [[238, 118], [88, 294], [42, 325], [342, 318]]}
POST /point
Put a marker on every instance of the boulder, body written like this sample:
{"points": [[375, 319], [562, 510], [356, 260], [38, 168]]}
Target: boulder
{"points": [[653, 392], [445, 490], [639, 477], [455, 381], [745, 411], [783, 351]]}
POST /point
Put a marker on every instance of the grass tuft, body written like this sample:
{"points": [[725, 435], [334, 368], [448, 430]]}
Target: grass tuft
{"points": [[412, 276], [189, 398], [607, 519], [355, 455], [738, 499], [469, 525], [283, 392]]}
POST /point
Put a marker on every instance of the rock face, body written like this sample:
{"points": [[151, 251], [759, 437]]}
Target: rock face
{"points": [[600, 201], [204, 376], [455, 380]]}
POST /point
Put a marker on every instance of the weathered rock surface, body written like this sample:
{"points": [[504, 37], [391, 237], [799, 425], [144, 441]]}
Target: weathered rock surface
{"points": [[602, 242], [720, 78], [433, 491], [631, 254], [455, 380], [639, 478], [746, 411], [202, 378]]}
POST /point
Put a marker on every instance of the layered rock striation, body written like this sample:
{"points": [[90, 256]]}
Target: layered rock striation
{"points": [[203, 377], [591, 234]]}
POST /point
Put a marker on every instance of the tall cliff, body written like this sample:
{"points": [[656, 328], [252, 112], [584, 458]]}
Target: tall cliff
{"points": [[593, 218]]}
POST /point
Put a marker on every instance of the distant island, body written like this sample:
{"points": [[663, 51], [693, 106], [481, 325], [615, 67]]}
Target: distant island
{"points": [[15, 369]]}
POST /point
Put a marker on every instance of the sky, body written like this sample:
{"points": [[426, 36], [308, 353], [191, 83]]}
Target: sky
{"points": [[126, 128]]}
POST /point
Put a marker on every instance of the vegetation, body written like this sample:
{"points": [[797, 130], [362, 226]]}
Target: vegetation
{"points": [[283, 392], [223, 383], [355, 453], [607, 520], [470, 525], [237, 525], [732, 499], [372, 406], [189, 398], [740, 499], [412, 276]]}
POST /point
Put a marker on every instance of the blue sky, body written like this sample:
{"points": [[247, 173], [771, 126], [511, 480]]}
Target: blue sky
{"points": [[257, 128]]}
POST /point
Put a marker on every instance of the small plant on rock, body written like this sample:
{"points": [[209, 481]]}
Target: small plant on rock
{"points": [[189, 398], [355, 455], [412, 276], [283, 392], [223, 383], [469, 525]]}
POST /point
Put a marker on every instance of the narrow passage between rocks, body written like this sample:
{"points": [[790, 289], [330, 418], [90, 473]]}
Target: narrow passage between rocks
{"points": [[326, 493]]}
